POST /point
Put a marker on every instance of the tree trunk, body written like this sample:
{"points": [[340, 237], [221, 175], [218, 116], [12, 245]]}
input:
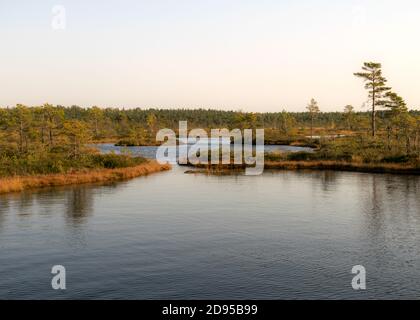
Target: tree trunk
{"points": [[407, 144], [417, 143], [43, 129], [96, 128], [373, 110], [373, 123], [21, 136], [312, 127]]}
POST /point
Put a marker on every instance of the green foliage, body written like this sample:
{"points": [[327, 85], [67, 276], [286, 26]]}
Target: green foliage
{"points": [[397, 159], [364, 149], [127, 143], [52, 139], [112, 161], [375, 83], [46, 139], [50, 163], [313, 110], [301, 156]]}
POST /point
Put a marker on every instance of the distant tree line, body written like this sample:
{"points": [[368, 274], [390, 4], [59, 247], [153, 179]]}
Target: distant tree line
{"points": [[51, 126]]}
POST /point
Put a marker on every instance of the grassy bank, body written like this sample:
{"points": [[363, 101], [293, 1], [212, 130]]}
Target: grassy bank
{"points": [[42, 162], [313, 165], [344, 166], [20, 183], [345, 154], [360, 154]]}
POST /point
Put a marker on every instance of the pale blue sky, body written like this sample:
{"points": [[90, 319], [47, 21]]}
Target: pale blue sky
{"points": [[249, 55]]}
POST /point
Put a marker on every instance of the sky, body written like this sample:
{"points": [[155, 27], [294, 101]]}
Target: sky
{"points": [[259, 56]]}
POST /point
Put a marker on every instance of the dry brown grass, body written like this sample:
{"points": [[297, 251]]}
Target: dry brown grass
{"points": [[344, 166], [16, 184], [355, 166]]}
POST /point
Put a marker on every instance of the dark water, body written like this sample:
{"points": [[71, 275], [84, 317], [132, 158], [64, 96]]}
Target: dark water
{"points": [[282, 235]]}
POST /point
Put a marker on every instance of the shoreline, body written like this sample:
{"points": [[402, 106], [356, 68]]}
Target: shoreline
{"points": [[344, 166], [21, 183], [390, 168]]}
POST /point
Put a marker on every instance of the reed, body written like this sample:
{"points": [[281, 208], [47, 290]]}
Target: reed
{"points": [[20, 183]]}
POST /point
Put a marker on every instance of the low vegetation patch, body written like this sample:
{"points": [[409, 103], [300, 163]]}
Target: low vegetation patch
{"points": [[353, 153], [64, 165], [54, 163], [20, 183]]}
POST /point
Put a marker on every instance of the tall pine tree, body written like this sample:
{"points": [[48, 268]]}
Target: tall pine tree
{"points": [[375, 83]]}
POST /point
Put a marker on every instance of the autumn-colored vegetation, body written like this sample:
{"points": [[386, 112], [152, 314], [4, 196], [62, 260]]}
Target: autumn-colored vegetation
{"points": [[387, 139], [20, 183], [315, 165], [40, 147], [53, 139]]}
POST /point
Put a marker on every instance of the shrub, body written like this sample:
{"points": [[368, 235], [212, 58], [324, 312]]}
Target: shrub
{"points": [[300, 156], [112, 161], [127, 143], [398, 159], [275, 156]]}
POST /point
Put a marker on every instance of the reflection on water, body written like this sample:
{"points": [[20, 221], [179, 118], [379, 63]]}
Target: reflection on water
{"points": [[79, 204], [280, 235]]}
